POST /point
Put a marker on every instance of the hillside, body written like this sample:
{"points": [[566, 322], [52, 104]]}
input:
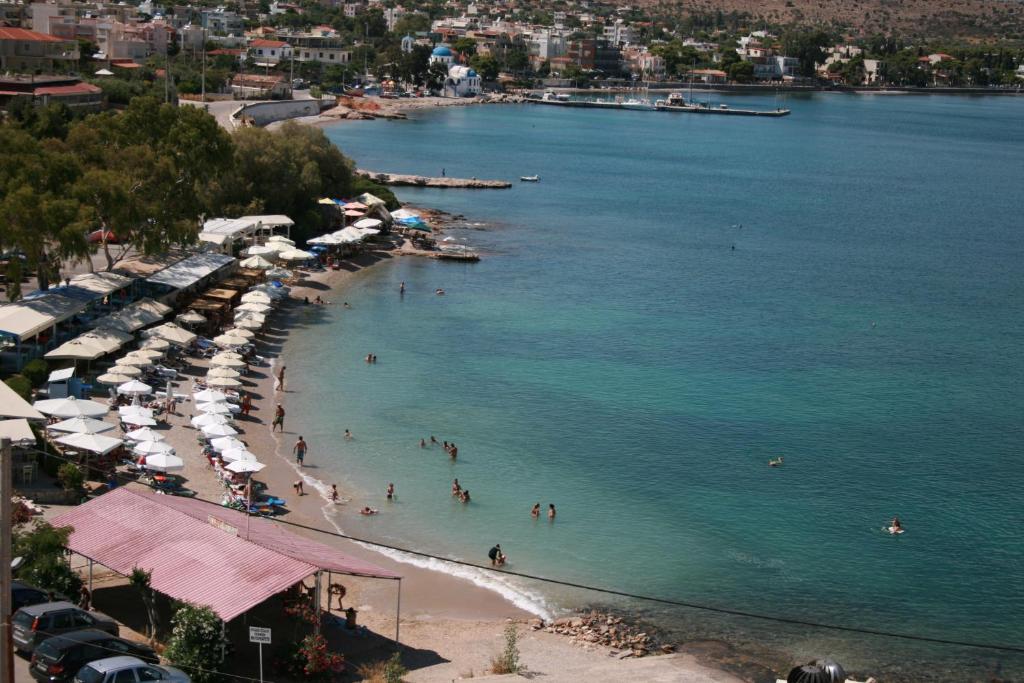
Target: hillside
{"points": [[931, 19]]}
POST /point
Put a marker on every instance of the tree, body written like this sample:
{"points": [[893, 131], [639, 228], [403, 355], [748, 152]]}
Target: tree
{"points": [[486, 66], [436, 75], [806, 46], [741, 72], [412, 23], [140, 579], [46, 564], [464, 46], [70, 477], [197, 642], [729, 57]]}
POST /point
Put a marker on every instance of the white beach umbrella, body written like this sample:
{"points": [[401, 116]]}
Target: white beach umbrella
{"points": [[215, 408], [146, 355], [113, 379], [280, 273], [200, 421], [208, 395], [170, 332], [262, 250], [326, 240], [214, 431], [138, 420], [221, 371], [280, 239], [135, 388], [227, 361], [295, 255], [236, 332], [94, 443], [252, 307], [367, 223], [156, 343], [256, 296], [224, 443], [228, 341], [127, 368], [238, 455], [151, 447], [222, 382], [70, 407], [244, 466], [125, 411], [144, 434], [248, 324], [191, 318], [164, 462], [82, 425], [230, 354], [257, 262], [250, 315]]}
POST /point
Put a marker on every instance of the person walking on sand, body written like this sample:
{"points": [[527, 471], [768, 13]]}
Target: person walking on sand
{"points": [[551, 511], [535, 512], [298, 488], [334, 493], [278, 418], [279, 383], [391, 491], [299, 449], [246, 404]]}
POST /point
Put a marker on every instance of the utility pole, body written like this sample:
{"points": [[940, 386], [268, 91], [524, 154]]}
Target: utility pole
{"points": [[167, 75], [366, 38], [6, 491], [203, 100]]}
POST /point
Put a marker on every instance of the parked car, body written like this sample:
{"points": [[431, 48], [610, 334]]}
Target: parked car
{"points": [[35, 623], [96, 237], [23, 595], [58, 659], [128, 670]]}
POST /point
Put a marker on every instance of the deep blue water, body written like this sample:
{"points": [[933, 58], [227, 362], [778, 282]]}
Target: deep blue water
{"points": [[614, 354]]}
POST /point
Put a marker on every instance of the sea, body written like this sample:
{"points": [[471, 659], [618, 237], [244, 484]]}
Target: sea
{"points": [[678, 301]]}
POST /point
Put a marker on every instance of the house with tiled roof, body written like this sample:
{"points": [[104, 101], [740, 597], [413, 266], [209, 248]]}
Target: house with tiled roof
{"points": [[266, 52], [24, 51]]}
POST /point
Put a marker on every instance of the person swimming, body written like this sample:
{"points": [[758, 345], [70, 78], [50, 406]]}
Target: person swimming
{"points": [[551, 510], [535, 512], [391, 491], [367, 511], [464, 496], [456, 489], [895, 526]]}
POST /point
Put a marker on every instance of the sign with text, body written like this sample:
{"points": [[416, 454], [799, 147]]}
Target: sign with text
{"points": [[258, 634]]}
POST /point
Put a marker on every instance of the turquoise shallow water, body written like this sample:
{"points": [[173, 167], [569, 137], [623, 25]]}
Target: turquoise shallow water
{"points": [[615, 355]]}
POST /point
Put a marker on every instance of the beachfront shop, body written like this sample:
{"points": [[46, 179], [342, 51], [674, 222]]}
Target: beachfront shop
{"points": [[249, 570]]}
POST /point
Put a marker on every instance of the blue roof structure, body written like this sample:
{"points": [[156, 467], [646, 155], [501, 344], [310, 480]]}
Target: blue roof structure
{"points": [[441, 51]]}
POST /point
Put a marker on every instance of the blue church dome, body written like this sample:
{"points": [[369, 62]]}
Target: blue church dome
{"points": [[442, 51], [471, 74]]}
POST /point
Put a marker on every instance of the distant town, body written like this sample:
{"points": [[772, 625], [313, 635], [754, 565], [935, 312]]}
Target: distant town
{"points": [[89, 55]]}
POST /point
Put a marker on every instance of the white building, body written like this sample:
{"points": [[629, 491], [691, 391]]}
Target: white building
{"points": [[462, 82], [442, 54], [619, 33], [269, 52]]}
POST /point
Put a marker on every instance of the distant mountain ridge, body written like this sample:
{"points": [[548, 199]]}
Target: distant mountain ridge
{"points": [[930, 19]]}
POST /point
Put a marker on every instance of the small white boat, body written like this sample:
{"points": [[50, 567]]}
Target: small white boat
{"points": [[530, 178]]}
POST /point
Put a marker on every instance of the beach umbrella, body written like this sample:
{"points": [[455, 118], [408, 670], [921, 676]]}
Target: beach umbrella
{"points": [[82, 425], [216, 408], [135, 388], [220, 371], [280, 239], [251, 315], [156, 343], [257, 262], [209, 395], [138, 420], [295, 255], [326, 240], [113, 379], [354, 213], [236, 332], [223, 360], [224, 443], [228, 341], [222, 382], [238, 455], [257, 296], [94, 443], [200, 421], [219, 430], [264, 250], [252, 307], [70, 407], [146, 355], [356, 206], [170, 332], [244, 466], [191, 318], [247, 324], [164, 462], [368, 223], [127, 369], [151, 447], [144, 434], [275, 290]]}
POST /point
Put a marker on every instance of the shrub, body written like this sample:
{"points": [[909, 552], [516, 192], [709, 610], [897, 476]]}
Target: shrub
{"points": [[383, 671], [310, 660], [196, 642], [36, 371], [508, 661], [22, 387], [46, 561], [361, 185], [70, 477]]}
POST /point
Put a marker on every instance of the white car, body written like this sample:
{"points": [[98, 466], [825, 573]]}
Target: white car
{"points": [[128, 670]]}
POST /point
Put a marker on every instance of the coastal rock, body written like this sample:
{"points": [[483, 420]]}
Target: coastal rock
{"points": [[576, 623], [536, 624]]}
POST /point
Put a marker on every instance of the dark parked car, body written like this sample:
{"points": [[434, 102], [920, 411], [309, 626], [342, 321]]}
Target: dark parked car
{"points": [[35, 623], [23, 595], [58, 659]]}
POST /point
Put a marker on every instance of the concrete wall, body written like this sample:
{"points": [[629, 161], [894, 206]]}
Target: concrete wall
{"points": [[262, 113]]}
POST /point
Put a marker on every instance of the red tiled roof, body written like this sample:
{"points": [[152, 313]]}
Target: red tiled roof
{"points": [[24, 34], [225, 51], [76, 89], [260, 42], [256, 79]]}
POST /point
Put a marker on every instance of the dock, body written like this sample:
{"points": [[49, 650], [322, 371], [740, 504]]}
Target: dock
{"points": [[427, 181]]}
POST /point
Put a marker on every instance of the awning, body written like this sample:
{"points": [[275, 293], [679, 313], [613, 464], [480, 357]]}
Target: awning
{"points": [[188, 272], [135, 316], [17, 431], [76, 349], [27, 318], [195, 551], [13, 405], [94, 443], [172, 333], [93, 286]]}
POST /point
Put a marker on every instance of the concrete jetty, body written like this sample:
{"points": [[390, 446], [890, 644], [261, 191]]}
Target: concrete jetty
{"points": [[427, 181]]}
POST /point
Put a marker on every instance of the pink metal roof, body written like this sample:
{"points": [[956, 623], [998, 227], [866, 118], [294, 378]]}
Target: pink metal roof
{"points": [[273, 536], [189, 559]]}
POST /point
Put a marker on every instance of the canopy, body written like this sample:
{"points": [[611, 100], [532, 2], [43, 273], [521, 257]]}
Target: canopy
{"points": [[325, 239], [257, 297], [171, 333], [82, 425], [295, 255], [200, 421], [399, 214], [350, 235], [264, 250], [129, 411], [70, 407], [224, 443], [218, 430], [209, 395], [257, 262], [164, 462], [253, 307], [279, 273], [135, 388], [244, 466], [27, 318], [113, 379], [191, 318], [138, 420], [94, 443], [76, 349], [354, 213], [222, 382], [368, 223], [12, 405], [221, 371], [251, 316], [151, 447], [191, 270], [134, 316], [18, 431], [280, 239], [237, 455], [125, 529], [144, 434]]}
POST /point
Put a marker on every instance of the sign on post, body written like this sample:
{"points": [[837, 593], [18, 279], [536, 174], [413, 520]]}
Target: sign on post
{"points": [[261, 636]]}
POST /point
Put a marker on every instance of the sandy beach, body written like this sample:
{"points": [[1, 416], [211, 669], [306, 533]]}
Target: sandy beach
{"points": [[450, 627]]}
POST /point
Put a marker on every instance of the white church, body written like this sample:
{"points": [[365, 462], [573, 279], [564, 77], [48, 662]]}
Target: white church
{"points": [[462, 81]]}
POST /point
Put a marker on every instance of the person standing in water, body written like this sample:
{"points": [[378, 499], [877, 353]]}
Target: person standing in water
{"points": [[551, 511], [391, 491], [456, 489], [278, 418], [334, 493], [299, 449], [535, 512], [401, 287]]}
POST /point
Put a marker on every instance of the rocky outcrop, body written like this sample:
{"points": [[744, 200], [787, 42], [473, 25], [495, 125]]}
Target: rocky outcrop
{"points": [[596, 628]]}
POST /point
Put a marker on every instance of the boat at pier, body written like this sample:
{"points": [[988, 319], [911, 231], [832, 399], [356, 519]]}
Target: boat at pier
{"points": [[678, 103]]}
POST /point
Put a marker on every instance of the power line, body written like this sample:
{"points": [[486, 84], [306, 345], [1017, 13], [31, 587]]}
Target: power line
{"points": [[635, 596]]}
